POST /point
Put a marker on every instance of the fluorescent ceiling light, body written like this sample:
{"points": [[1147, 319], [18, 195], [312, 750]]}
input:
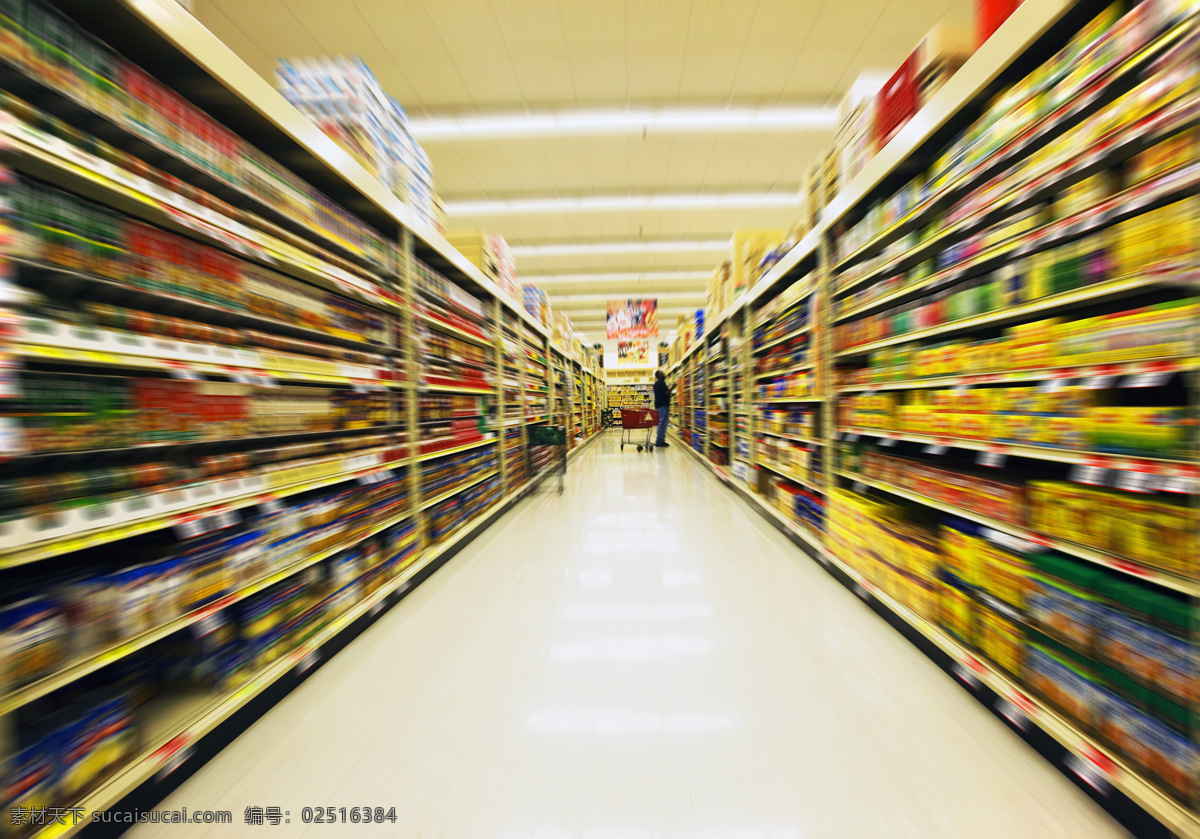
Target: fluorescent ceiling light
{"points": [[588, 248], [580, 123], [620, 203], [645, 276]]}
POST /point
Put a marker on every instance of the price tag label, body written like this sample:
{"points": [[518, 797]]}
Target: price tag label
{"points": [[860, 488], [965, 675], [1177, 484], [99, 512], [309, 661], [1097, 382], [377, 608], [1013, 714], [1088, 772], [272, 506], [1157, 379], [206, 625], [187, 374], [173, 761], [1054, 385], [888, 441], [1091, 475], [202, 492], [861, 591], [1133, 481], [188, 529], [936, 449], [1007, 540], [853, 438], [993, 459], [137, 506]]}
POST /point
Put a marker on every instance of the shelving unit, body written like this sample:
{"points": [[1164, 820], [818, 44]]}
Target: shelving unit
{"points": [[250, 396], [630, 396], [985, 423]]}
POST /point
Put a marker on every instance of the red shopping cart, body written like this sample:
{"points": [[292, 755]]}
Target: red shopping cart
{"points": [[636, 419]]}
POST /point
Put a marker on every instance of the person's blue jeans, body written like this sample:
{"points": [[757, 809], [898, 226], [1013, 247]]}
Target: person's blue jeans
{"points": [[662, 423]]}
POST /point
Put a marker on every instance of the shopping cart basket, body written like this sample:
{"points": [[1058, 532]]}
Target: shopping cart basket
{"points": [[633, 420]]}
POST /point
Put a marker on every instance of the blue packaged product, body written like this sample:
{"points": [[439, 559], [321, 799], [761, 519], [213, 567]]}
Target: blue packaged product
{"points": [[33, 638], [345, 567], [100, 740], [30, 780]]}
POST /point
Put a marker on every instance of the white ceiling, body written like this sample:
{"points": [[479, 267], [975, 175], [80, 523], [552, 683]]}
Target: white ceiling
{"points": [[461, 57]]}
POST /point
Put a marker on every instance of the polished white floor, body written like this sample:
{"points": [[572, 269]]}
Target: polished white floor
{"points": [[643, 656]]}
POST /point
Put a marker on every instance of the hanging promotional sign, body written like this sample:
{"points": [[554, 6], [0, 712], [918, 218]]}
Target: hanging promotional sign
{"points": [[633, 353], [632, 320]]}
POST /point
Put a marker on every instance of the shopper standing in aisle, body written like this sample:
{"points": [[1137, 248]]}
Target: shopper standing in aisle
{"points": [[662, 404]]}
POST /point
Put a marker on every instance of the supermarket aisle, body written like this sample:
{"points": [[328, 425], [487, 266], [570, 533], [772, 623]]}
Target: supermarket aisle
{"points": [[641, 657]]}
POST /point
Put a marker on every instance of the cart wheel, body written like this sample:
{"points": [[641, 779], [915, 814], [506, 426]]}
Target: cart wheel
{"points": [[622, 447], [639, 449]]}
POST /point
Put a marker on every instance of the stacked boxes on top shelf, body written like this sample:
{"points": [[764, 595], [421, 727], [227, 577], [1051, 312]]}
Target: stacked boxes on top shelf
{"points": [[344, 99]]}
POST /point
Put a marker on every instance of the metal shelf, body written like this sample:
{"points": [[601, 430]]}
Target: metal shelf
{"points": [[161, 509], [812, 441], [1116, 462], [779, 470], [1031, 541], [1089, 371], [433, 502], [1109, 290], [443, 452], [90, 663]]}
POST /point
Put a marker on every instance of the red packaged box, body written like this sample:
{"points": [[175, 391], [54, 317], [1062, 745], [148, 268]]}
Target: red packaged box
{"points": [[897, 101], [990, 14]]}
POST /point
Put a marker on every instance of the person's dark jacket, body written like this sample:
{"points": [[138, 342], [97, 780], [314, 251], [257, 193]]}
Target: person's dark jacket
{"points": [[662, 394]]}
